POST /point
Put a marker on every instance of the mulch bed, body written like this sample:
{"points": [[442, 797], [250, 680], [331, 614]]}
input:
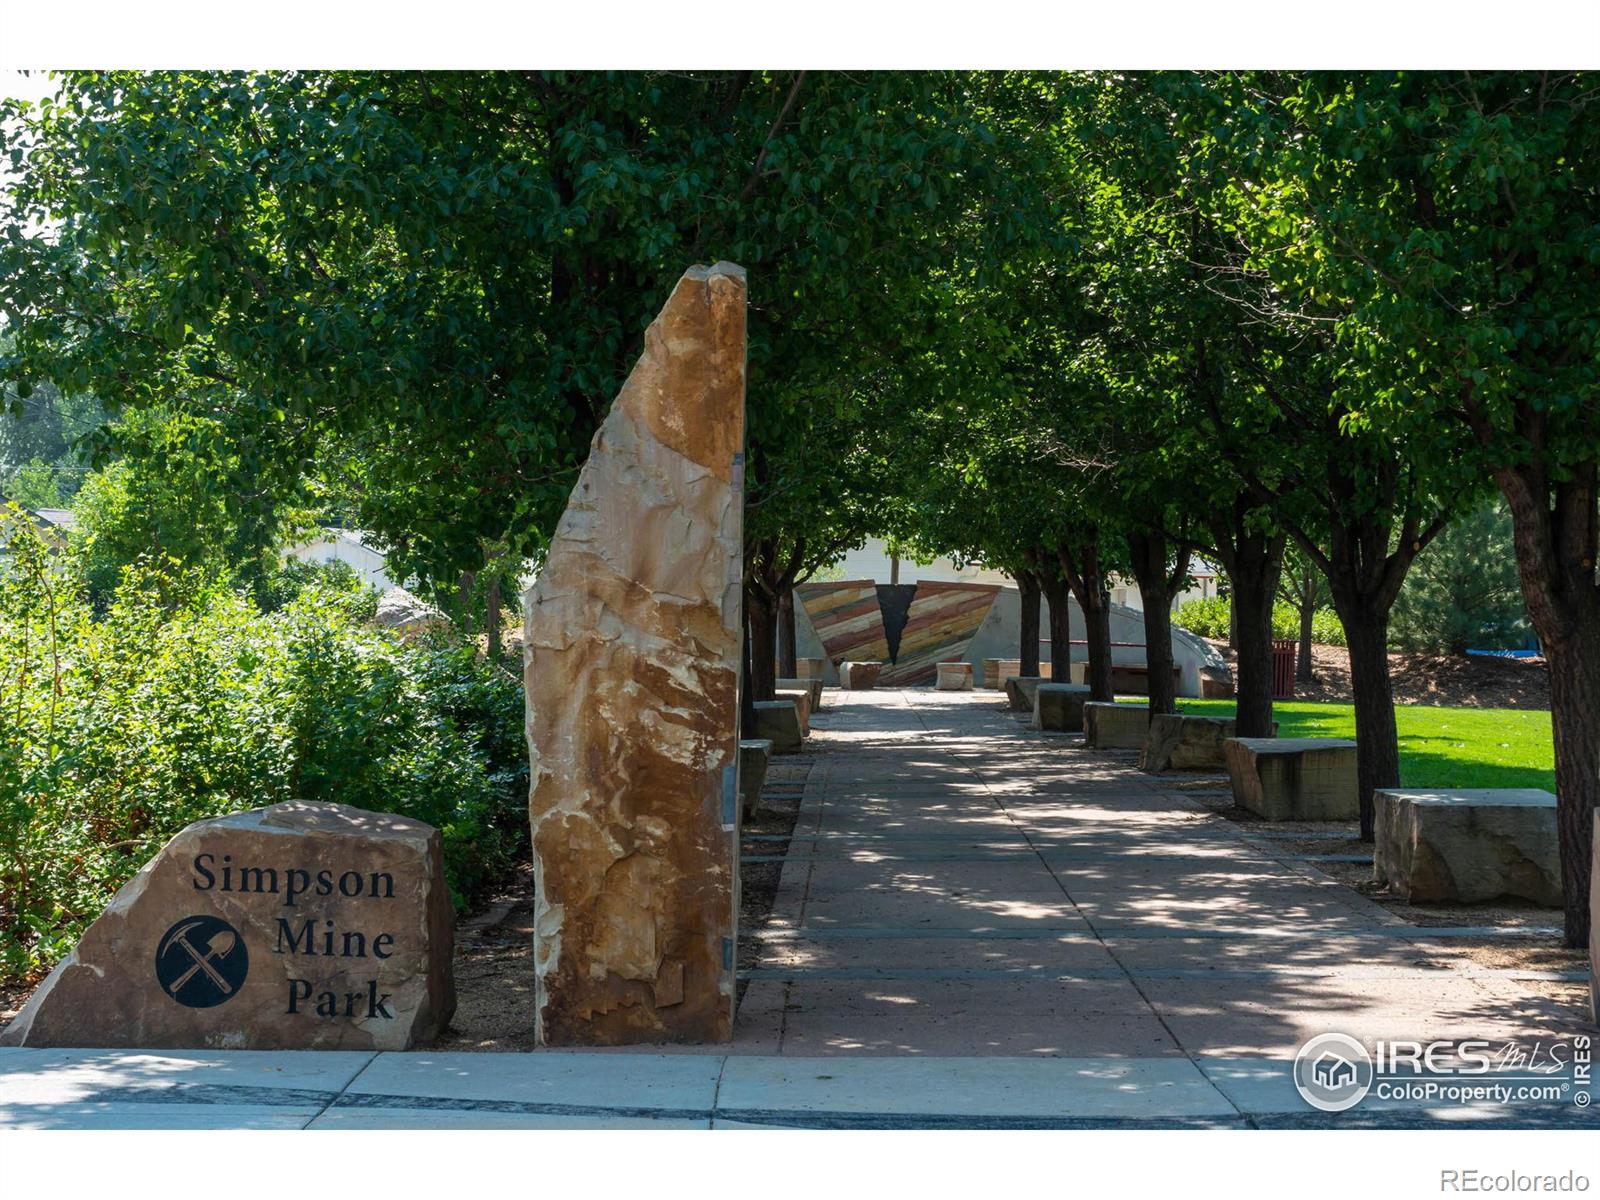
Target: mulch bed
{"points": [[1451, 681], [494, 947]]}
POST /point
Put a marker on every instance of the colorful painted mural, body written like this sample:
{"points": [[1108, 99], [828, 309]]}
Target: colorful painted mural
{"points": [[859, 621]]}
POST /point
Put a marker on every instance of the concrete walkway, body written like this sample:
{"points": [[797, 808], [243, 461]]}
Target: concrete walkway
{"points": [[977, 926]]}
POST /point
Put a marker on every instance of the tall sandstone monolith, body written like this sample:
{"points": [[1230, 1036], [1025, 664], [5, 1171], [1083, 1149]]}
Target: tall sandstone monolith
{"points": [[632, 657]]}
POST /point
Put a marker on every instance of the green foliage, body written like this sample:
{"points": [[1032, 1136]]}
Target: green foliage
{"points": [[35, 484], [331, 262], [182, 701], [336, 580], [172, 495], [1210, 618], [1464, 590]]}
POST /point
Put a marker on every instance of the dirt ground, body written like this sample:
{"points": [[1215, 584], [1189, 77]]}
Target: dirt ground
{"points": [[1451, 680], [494, 948], [1535, 952]]}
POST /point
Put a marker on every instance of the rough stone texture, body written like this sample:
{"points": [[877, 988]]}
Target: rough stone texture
{"points": [[407, 615], [779, 722], [1294, 779], [810, 668], [1108, 726], [1215, 686], [859, 676], [997, 670], [207, 948], [1059, 706], [802, 706], [754, 754], [1468, 845], [810, 686], [1020, 690], [1180, 742], [1594, 928], [954, 677], [632, 681]]}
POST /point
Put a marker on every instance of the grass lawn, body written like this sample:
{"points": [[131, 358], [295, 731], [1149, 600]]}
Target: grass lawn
{"points": [[1439, 747]]}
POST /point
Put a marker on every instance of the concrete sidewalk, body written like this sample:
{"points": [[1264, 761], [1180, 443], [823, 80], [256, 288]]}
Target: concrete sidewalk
{"points": [[102, 1089], [977, 926], [959, 884]]}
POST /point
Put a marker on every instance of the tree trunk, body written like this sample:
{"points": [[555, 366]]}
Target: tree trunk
{"points": [[464, 589], [1088, 583], [1149, 555], [762, 617], [1097, 633], [1253, 577], [788, 668], [1028, 650], [1366, 630], [1556, 532], [747, 694], [1055, 595], [1308, 612], [491, 618]]}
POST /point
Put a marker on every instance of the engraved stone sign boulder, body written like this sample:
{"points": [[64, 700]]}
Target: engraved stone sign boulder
{"points": [[295, 927]]}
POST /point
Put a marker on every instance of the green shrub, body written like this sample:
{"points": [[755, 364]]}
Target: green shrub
{"points": [[181, 700], [1209, 618]]}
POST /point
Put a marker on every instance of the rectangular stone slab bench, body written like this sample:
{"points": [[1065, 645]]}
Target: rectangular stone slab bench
{"points": [[1185, 742], [779, 722], [813, 687], [1468, 845], [1059, 707], [1020, 691], [809, 668], [997, 670], [953, 677], [859, 676], [1294, 779], [754, 754], [1108, 726], [802, 706]]}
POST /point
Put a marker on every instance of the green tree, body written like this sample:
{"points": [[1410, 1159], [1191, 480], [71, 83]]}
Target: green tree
{"points": [[1464, 590], [450, 274], [1446, 221]]}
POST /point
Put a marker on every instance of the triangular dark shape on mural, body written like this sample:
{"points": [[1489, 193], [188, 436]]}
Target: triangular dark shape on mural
{"points": [[894, 602]]}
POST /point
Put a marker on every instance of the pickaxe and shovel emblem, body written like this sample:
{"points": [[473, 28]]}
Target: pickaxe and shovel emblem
{"points": [[219, 947]]}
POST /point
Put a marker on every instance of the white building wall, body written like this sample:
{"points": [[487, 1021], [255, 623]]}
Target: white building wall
{"points": [[347, 546]]}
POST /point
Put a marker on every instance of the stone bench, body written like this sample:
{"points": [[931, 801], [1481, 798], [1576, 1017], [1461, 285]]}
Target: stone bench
{"points": [[1108, 726], [1059, 706], [809, 668], [1294, 779], [859, 676], [997, 670], [754, 754], [1127, 679], [1468, 845], [1184, 742], [953, 677], [812, 687], [779, 722], [1020, 690], [802, 706]]}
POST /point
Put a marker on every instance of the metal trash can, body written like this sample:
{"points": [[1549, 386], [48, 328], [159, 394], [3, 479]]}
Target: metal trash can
{"points": [[1283, 654]]}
